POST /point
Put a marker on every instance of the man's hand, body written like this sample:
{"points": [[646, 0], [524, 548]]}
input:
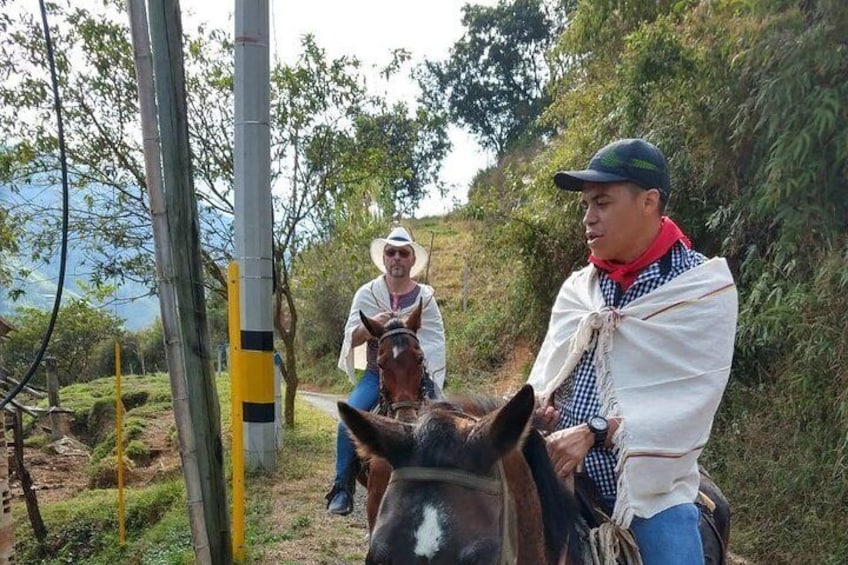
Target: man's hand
{"points": [[361, 335], [383, 317], [545, 417], [567, 448]]}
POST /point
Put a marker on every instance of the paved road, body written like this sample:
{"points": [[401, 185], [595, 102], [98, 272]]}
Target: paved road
{"points": [[326, 402]]}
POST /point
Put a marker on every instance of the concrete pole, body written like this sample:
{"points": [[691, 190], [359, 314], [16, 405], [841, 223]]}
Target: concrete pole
{"points": [[252, 168]]}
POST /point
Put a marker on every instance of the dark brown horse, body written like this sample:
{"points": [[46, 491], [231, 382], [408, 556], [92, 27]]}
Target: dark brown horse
{"points": [[462, 489], [402, 384]]}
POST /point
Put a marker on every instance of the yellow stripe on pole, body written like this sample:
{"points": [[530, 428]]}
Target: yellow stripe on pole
{"points": [[256, 366], [236, 398], [119, 440]]}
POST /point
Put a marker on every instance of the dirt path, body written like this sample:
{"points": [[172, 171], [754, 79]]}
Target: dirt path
{"points": [[293, 524], [327, 403]]}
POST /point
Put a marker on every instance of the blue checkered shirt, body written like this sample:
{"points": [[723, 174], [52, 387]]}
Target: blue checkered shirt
{"points": [[580, 402]]}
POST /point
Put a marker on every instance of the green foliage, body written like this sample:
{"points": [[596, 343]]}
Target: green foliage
{"points": [[9, 235], [138, 452], [494, 80], [330, 273], [85, 529], [151, 344], [103, 473], [36, 441], [78, 331]]}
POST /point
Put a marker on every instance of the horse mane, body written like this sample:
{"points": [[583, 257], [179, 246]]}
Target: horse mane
{"points": [[561, 515], [560, 511]]}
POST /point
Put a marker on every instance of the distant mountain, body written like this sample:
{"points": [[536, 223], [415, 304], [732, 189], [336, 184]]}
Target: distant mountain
{"points": [[40, 284]]}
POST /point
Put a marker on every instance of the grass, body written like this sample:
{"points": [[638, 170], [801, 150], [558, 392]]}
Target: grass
{"points": [[85, 528], [285, 511], [286, 519], [783, 476]]}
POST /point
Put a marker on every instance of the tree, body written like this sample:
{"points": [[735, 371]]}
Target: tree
{"points": [[494, 80], [336, 149], [79, 330]]}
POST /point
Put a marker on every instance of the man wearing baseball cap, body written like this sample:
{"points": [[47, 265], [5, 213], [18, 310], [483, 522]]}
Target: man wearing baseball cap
{"points": [[637, 353], [395, 293]]}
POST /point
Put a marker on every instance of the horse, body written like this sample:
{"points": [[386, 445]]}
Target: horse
{"points": [[402, 390], [468, 486], [463, 490]]}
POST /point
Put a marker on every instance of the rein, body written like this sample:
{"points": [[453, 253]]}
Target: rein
{"points": [[495, 487]]}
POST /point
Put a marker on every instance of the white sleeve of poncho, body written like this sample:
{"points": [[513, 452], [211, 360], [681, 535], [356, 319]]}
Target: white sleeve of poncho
{"points": [[560, 352]]}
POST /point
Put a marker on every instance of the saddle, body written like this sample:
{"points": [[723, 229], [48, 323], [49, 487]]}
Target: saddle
{"points": [[714, 523]]}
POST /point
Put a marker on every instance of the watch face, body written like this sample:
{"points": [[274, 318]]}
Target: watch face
{"points": [[598, 424]]}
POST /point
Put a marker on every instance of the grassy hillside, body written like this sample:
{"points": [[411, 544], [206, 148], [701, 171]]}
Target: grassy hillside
{"points": [[285, 521]]}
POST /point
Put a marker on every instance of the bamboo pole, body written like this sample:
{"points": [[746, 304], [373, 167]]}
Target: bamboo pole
{"points": [[164, 275], [184, 243]]}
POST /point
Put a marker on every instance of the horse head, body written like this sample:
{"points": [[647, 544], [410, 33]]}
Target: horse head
{"points": [[448, 500], [401, 362]]}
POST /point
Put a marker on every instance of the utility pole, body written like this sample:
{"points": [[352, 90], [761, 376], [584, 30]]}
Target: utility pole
{"points": [[253, 231], [184, 244]]}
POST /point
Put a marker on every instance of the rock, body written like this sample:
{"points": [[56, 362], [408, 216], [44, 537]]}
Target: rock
{"points": [[69, 446]]}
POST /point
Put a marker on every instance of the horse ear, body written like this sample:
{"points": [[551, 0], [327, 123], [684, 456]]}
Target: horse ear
{"points": [[413, 322], [503, 430], [376, 435], [374, 327]]}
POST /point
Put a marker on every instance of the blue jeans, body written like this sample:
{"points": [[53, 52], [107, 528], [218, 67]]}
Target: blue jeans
{"points": [[671, 537], [364, 396]]}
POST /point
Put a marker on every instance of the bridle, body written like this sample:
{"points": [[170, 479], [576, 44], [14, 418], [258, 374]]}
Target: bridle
{"points": [[496, 486], [393, 407]]}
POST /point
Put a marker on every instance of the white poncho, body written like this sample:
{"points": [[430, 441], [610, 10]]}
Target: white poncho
{"points": [[662, 363], [373, 298]]}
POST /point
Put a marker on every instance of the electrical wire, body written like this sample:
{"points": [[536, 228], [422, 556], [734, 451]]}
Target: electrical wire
{"points": [[57, 103]]}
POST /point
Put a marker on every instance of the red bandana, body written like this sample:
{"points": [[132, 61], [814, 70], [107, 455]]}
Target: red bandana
{"points": [[625, 273]]}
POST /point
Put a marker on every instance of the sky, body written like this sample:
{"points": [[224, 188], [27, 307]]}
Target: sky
{"points": [[369, 30]]}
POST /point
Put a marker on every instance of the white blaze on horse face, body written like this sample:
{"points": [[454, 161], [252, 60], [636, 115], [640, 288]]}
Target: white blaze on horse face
{"points": [[395, 351], [428, 536]]}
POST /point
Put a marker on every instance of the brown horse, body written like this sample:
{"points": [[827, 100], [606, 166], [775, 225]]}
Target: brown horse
{"points": [[402, 384], [462, 489]]}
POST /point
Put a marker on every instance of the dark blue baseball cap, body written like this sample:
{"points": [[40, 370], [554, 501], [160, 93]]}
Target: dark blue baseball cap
{"points": [[631, 160]]}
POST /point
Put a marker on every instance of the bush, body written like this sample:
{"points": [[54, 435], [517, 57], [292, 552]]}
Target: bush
{"points": [[138, 452], [104, 473]]}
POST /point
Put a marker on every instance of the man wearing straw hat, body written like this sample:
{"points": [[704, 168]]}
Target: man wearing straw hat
{"points": [[394, 293]]}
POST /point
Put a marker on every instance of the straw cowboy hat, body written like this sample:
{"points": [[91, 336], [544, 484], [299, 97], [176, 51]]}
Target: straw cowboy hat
{"points": [[398, 237]]}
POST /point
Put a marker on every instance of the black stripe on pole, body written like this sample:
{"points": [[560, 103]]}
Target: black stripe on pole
{"points": [[257, 341], [258, 412]]}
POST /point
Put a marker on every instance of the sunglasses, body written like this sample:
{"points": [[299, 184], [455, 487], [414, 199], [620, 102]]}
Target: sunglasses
{"points": [[404, 253]]}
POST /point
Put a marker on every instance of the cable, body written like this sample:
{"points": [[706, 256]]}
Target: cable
{"points": [[64, 253]]}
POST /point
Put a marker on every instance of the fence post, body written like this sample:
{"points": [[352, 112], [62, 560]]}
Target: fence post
{"points": [[56, 425]]}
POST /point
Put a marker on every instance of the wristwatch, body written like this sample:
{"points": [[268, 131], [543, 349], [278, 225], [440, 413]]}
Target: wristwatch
{"points": [[599, 427]]}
